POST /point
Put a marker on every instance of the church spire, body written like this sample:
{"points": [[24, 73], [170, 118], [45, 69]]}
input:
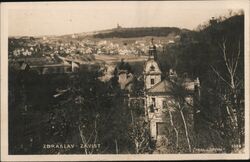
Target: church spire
{"points": [[152, 50]]}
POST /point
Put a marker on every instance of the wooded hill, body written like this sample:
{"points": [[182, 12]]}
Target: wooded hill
{"points": [[215, 54], [138, 32]]}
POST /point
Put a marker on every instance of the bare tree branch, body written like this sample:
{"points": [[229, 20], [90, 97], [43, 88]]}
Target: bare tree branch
{"points": [[186, 130], [236, 62], [229, 68], [216, 72]]}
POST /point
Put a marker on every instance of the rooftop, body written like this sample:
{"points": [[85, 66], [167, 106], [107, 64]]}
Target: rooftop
{"points": [[161, 87], [166, 86]]}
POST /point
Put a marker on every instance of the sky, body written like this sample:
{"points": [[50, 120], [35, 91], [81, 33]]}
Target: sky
{"points": [[58, 18]]}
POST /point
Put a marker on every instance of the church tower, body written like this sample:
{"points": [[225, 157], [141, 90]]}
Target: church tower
{"points": [[152, 50], [152, 72]]}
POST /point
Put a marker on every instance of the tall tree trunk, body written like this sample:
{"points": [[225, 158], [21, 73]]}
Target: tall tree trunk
{"points": [[186, 131], [176, 131], [83, 139], [240, 124], [136, 146], [238, 119], [116, 147]]}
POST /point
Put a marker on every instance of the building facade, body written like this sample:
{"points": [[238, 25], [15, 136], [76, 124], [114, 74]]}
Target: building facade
{"points": [[158, 94]]}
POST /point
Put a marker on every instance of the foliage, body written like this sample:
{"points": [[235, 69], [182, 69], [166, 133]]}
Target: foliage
{"points": [[215, 54]]}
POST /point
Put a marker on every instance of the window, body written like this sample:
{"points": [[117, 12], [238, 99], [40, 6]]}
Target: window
{"points": [[151, 108], [154, 104], [152, 68], [152, 81], [164, 104], [153, 101]]}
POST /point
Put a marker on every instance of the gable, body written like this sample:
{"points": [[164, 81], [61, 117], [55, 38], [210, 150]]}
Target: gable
{"points": [[151, 66], [162, 87]]}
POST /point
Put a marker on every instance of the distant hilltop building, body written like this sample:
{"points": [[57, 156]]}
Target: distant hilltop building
{"points": [[212, 21], [119, 26], [73, 36]]}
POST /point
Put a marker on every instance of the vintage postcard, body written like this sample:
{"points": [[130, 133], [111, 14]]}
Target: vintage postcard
{"points": [[132, 80]]}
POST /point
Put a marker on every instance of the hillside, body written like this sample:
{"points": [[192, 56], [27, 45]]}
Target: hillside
{"points": [[216, 49], [137, 32], [127, 33]]}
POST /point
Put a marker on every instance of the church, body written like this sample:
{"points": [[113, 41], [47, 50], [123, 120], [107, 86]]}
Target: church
{"points": [[157, 95], [158, 98]]}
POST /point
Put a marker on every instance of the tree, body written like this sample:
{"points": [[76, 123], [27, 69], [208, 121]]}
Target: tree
{"points": [[227, 77], [180, 101], [176, 141], [139, 128], [139, 133], [231, 97], [215, 54]]}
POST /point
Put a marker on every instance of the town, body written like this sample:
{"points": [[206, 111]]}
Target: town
{"points": [[127, 90]]}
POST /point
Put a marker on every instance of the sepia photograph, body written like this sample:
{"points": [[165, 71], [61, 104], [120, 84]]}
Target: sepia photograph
{"points": [[132, 80]]}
